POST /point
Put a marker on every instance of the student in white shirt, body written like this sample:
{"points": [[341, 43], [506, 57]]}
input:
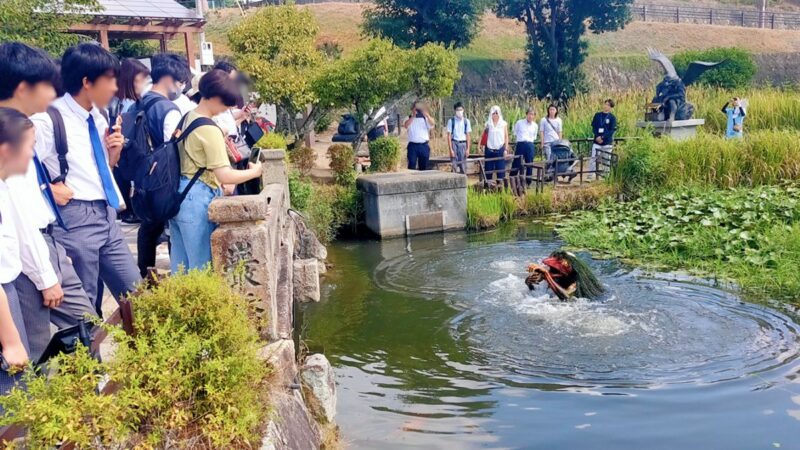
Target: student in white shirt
{"points": [[419, 125], [16, 150], [86, 192], [551, 129], [525, 132], [459, 131], [48, 287], [496, 144]]}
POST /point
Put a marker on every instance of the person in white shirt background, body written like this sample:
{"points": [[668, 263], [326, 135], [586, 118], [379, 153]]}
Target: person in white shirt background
{"points": [[496, 144], [525, 132], [459, 132], [88, 197], [419, 125], [16, 150], [551, 129], [48, 287]]}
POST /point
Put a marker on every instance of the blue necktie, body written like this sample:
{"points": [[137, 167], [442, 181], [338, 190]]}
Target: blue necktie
{"points": [[102, 165], [44, 186]]}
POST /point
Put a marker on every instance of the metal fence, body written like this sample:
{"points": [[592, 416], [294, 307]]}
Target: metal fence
{"points": [[716, 16]]}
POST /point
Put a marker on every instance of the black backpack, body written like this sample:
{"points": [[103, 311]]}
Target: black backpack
{"points": [[155, 196], [138, 140]]}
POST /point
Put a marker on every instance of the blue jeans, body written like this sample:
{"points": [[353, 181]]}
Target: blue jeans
{"points": [[190, 230], [499, 165]]}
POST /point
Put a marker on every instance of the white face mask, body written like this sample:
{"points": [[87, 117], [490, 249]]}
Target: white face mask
{"points": [[460, 114]]}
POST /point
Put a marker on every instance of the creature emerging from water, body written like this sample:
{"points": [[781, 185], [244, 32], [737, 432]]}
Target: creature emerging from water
{"points": [[566, 275], [670, 103]]}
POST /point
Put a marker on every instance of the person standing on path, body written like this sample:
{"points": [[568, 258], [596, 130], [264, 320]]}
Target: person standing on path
{"points": [[525, 132], [551, 129], [496, 144], [459, 132], [604, 125], [736, 114], [419, 125]]}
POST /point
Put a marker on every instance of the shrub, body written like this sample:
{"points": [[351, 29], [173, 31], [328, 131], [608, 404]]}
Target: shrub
{"points": [[299, 191], [384, 154], [273, 141], [737, 71], [489, 209], [330, 208], [191, 377], [323, 123], [343, 160], [303, 159]]}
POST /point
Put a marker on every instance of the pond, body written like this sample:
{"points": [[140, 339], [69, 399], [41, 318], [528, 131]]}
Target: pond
{"points": [[437, 343]]}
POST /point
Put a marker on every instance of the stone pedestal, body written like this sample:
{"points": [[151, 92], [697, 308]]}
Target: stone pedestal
{"points": [[680, 130], [410, 203]]}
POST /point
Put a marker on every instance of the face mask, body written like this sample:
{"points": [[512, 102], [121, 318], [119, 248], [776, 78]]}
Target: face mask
{"points": [[460, 114], [176, 91]]}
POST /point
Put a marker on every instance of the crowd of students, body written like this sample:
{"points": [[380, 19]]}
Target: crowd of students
{"points": [[495, 140], [61, 143]]}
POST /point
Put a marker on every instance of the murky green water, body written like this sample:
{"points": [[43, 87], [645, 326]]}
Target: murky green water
{"points": [[437, 343]]}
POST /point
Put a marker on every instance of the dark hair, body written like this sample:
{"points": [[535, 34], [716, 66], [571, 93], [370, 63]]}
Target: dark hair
{"points": [[611, 103], [172, 65], [217, 83], [225, 66], [13, 125], [21, 63], [88, 61], [458, 105], [129, 70], [552, 105]]}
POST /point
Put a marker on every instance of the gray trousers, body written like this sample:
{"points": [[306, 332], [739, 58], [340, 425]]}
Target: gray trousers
{"points": [[98, 250], [460, 160], [8, 381], [76, 304]]}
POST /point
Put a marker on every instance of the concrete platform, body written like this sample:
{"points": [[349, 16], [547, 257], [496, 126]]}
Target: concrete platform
{"points": [[410, 203], [680, 130]]}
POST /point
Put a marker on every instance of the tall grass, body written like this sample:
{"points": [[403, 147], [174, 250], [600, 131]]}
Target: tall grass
{"points": [[489, 209]]}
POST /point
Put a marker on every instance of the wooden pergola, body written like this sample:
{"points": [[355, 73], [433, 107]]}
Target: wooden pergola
{"points": [[160, 20]]}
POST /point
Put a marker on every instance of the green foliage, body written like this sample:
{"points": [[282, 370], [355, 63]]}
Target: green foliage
{"points": [[43, 23], [276, 47], [303, 160], [331, 208], [191, 377], [324, 122], [330, 49], [556, 48], [299, 190], [489, 209], [384, 154], [273, 141], [737, 72], [132, 48], [343, 159], [414, 23], [742, 234]]}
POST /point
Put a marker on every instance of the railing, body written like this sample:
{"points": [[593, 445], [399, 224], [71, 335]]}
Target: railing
{"points": [[749, 18]]}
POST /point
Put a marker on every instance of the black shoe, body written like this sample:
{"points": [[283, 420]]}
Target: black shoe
{"points": [[130, 219]]}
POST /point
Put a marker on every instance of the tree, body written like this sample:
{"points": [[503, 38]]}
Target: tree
{"points": [[556, 47], [276, 46], [43, 23], [414, 23], [383, 75]]}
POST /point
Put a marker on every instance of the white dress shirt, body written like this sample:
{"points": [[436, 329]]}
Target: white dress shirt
{"points": [[83, 178], [419, 131], [171, 121], [525, 131], [496, 136], [184, 104], [227, 122], [10, 264], [457, 127], [31, 213]]}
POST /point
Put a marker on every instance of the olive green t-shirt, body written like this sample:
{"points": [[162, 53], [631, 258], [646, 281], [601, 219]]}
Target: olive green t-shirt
{"points": [[205, 147]]}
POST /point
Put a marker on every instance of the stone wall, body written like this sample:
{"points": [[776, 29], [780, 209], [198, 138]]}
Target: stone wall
{"points": [[266, 251]]}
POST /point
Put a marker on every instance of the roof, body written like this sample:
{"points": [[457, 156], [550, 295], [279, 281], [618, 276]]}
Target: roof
{"points": [[145, 9]]}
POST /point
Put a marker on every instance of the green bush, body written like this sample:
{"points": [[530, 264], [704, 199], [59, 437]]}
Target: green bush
{"points": [[343, 160], [273, 141], [299, 190], [303, 160], [323, 123], [191, 377], [737, 71], [384, 154]]}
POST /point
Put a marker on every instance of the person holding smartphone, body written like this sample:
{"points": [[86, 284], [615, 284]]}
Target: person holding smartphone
{"points": [[419, 125], [736, 114]]}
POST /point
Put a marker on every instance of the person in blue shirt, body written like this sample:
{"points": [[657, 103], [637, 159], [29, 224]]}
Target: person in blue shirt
{"points": [[736, 114], [604, 125]]}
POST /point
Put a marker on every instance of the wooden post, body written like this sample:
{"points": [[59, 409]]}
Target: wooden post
{"points": [[104, 39], [187, 39], [162, 43], [677, 14], [773, 21], [711, 16], [742, 18], [644, 13]]}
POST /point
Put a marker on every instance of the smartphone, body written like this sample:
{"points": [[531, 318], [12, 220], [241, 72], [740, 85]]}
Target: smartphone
{"points": [[255, 155]]}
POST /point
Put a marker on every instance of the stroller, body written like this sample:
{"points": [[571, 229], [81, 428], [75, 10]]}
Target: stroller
{"points": [[561, 150]]}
